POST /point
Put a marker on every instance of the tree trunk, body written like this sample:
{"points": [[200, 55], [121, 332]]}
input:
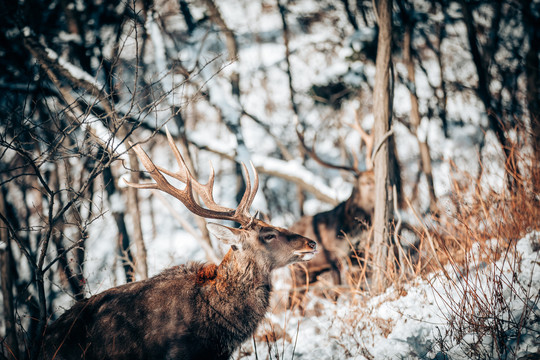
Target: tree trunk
{"points": [[73, 279], [350, 14], [6, 276], [443, 99], [532, 68], [123, 235], [301, 197], [230, 40], [232, 48], [381, 112], [135, 214], [481, 62], [425, 158], [188, 18]]}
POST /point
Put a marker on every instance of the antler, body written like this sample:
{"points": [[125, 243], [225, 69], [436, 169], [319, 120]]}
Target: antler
{"points": [[366, 138], [311, 152], [212, 211]]}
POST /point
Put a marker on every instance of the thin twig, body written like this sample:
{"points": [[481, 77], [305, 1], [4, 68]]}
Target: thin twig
{"points": [[381, 142]]}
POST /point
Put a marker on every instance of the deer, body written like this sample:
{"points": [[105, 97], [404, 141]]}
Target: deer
{"points": [[341, 230], [191, 311]]}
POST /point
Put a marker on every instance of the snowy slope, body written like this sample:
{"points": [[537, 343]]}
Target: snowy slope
{"points": [[413, 322]]}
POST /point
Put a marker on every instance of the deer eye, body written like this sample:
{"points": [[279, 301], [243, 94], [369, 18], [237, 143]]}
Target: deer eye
{"points": [[268, 237]]}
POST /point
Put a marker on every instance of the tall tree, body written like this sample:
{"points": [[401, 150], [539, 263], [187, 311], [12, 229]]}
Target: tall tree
{"points": [[532, 70], [381, 126], [6, 281], [482, 58], [425, 157]]}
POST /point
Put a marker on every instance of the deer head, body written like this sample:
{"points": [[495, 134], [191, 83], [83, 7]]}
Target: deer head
{"points": [[363, 193], [271, 246]]}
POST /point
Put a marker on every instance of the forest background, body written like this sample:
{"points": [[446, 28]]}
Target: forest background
{"points": [[457, 104]]}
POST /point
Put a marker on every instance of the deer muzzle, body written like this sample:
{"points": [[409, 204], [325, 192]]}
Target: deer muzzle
{"points": [[308, 254]]}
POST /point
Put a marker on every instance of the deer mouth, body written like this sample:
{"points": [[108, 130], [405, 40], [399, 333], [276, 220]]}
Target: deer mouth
{"points": [[306, 255]]}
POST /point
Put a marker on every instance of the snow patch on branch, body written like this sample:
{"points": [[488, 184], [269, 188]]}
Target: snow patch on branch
{"points": [[73, 70], [294, 171]]}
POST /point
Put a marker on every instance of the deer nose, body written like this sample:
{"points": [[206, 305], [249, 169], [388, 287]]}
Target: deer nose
{"points": [[312, 244]]}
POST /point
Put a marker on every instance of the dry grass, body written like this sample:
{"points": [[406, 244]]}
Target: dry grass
{"points": [[489, 315]]}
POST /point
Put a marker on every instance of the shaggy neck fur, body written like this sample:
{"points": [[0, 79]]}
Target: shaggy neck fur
{"points": [[246, 286]]}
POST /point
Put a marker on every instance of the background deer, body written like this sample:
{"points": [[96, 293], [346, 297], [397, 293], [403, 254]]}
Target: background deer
{"points": [[193, 311], [337, 230]]}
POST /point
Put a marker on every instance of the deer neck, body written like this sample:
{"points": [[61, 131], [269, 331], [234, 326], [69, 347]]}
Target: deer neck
{"points": [[244, 271], [237, 292], [356, 204]]}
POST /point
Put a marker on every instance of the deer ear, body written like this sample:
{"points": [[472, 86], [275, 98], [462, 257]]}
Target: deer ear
{"points": [[228, 235]]}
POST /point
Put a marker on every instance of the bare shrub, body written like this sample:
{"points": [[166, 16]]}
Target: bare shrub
{"points": [[488, 297]]}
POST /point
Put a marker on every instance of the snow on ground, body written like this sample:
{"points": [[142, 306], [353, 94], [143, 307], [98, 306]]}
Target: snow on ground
{"points": [[413, 322]]}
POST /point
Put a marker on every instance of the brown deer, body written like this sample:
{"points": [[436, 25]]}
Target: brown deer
{"points": [[192, 311], [338, 229]]}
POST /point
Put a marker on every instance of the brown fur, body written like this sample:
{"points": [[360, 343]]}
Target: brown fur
{"points": [[206, 274]]}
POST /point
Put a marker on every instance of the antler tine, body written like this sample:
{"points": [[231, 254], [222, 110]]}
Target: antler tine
{"points": [[255, 182], [207, 192], [249, 194], [204, 191], [161, 182], [368, 139], [179, 159], [150, 167]]}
